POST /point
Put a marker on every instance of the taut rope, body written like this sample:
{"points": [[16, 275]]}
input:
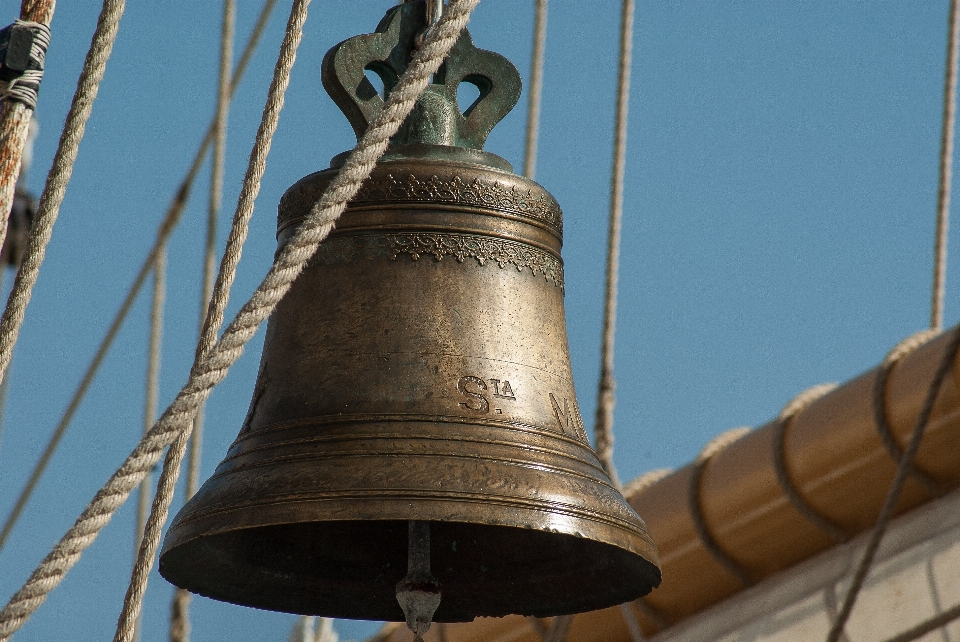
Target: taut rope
{"points": [[212, 368], [170, 221], [536, 88], [179, 609], [603, 428], [59, 176]]}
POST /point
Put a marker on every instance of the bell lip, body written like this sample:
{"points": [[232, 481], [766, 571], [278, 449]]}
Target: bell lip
{"points": [[637, 577], [632, 538]]}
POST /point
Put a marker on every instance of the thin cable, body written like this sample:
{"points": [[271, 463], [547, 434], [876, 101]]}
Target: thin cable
{"points": [[150, 399], [59, 177], [904, 468], [170, 221], [946, 167], [536, 88], [603, 429], [133, 603], [209, 371], [15, 120], [179, 611]]}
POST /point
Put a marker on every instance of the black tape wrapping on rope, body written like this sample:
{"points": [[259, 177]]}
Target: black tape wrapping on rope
{"points": [[23, 50]]}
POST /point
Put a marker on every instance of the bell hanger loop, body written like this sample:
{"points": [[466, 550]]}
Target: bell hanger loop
{"points": [[434, 13]]}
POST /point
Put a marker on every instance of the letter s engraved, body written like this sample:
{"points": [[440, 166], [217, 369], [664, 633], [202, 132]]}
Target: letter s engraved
{"points": [[476, 401]]}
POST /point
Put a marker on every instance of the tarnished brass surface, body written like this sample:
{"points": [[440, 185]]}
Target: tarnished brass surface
{"points": [[417, 370]]}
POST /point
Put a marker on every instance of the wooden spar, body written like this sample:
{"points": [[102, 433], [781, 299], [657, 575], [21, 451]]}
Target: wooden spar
{"points": [[15, 121], [837, 462]]}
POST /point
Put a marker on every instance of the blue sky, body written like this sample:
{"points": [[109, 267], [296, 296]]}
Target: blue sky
{"points": [[779, 209]]}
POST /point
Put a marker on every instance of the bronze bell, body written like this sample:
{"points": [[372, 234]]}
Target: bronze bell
{"points": [[417, 371]]}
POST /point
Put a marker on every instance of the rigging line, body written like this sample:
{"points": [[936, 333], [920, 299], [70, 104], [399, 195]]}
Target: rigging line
{"points": [[150, 400], [946, 163], [179, 612], [293, 35], [603, 428], [170, 220], [536, 88], [15, 121], [904, 468], [58, 178], [209, 371], [5, 384]]}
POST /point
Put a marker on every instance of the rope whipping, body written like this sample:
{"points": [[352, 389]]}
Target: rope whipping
{"points": [[719, 443], [179, 609], [536, 88], [946, 170], [59, 176], [133, 603], [884, 430], [784, 421], [212, 365], [603, 428], [168, 224], [150, 398], [15, 117], [904, 468], [24, 48]]}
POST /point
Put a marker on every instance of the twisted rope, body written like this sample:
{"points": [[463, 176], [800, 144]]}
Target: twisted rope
{"points": [[221, 293], [15, 118], [59, 176], [797, 405], [904, 467], [603, 428], [536, 88], [717, 445], [179, 610], [645, 481], [170, 221], [946, 169], [212, 368], [884, 430], [150, 402]]}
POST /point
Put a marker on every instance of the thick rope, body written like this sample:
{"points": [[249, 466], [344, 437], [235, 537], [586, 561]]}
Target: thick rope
{"points": [[536, 88], [884, 430], [711, 450], [645, 481], [150, 401], [218, 302], [15, 120], [179, 611], [946, 170], [603, 427], [59, 176], [797, 405], [904, 468], [213, 367], [170, 221]]}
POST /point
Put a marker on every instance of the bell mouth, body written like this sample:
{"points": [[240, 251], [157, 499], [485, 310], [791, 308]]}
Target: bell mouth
{"points": [[350, 569]]}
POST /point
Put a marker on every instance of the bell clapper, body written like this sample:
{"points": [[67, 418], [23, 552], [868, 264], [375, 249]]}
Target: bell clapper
{"points": [[419, 592]]}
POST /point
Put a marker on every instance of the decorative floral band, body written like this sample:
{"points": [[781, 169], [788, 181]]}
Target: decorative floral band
{"points": [[533, 203], [346, 249]]}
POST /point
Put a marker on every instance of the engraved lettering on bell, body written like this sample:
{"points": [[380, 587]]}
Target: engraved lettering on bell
{"points": [[418, 373], [477, 401]]}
